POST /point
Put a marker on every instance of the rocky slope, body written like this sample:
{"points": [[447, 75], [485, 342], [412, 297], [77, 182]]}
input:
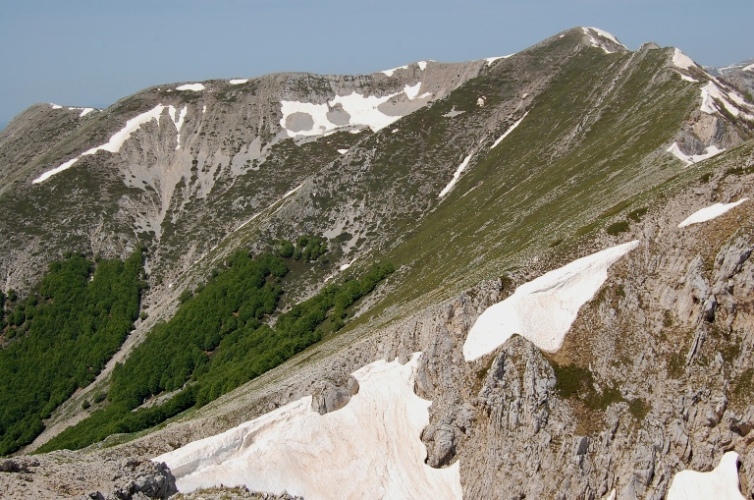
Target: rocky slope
{"points": [[480, 179]]}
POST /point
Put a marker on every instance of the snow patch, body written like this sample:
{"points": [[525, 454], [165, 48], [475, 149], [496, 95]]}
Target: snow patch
{"points": [[238, 81], [412, 91], [491, 60], [422, 65], [178, 118], [389, 72], [721, 482], [682, 61], [456, 175], [688, 78], [204, 109], [543, 309], [374, 438], [750, 67], [712, 94], [85, 112], [342, 151], [347, 265], [710, 212], [709, 152], [194, 87], [510, 129], [56, 106]]}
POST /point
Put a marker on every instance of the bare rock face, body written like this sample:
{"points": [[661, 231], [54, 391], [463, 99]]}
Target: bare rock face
{"points": [[329, 396], [72, 475]]}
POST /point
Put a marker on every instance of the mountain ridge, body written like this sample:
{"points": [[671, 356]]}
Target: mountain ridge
{"points": [[558, 151]]}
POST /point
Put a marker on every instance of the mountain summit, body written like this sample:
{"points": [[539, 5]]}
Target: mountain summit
{"points": [[523, 276]]}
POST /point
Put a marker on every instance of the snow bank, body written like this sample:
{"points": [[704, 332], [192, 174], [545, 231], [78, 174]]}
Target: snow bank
{"points": [[238, 81], [709, 152], [194, 87], [710, 212], [510, 129], [456, 175], [368, 449], [682, 61], [119, 138], [543, 309], [720, 483]]}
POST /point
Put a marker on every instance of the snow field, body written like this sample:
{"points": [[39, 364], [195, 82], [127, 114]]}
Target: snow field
{"points": [[374, 438], [712, 94], [709, 213], [119, 138], [720, 483], [362, 111], [543, 309]]}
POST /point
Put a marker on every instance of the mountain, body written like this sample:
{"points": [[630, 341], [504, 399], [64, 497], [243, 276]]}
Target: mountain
{"points": [[532, 274]]}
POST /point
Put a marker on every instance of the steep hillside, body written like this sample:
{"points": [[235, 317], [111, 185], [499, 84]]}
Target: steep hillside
{"points": [[491, 182]]}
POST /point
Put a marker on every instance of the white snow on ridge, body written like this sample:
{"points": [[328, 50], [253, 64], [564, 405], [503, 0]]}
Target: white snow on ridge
{"points": [[720, 483], [604, 34], [374, 438], [750, 67], [709, 213], [491, 60], [120, 137], [543, 309], [456, 176], [682, 61], [56, 106], [389, 72], [709, 152], [238, 81], [510, 129], [194, 87], [422, 65]]}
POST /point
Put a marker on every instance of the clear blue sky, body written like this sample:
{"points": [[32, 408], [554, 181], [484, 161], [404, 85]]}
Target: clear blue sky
{"points": [[93, 52]]}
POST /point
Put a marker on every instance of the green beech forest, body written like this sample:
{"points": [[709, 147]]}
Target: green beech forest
{"points": [[221, 337]]}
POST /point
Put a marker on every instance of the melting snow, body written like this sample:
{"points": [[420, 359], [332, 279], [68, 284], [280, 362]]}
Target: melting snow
{"points": [[709, 152], [342, 151], [389, 72], [422, 65], [710, 212], [347, 265], [120, 137], [238, 81], [361, 109], [368, 449], [56, 106], [511, 129], [688, 78], [178, 119], [750, 67], [456, 175], [720, 483], [543, 309], [85, 112], [195, 87], [682, 61]]}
